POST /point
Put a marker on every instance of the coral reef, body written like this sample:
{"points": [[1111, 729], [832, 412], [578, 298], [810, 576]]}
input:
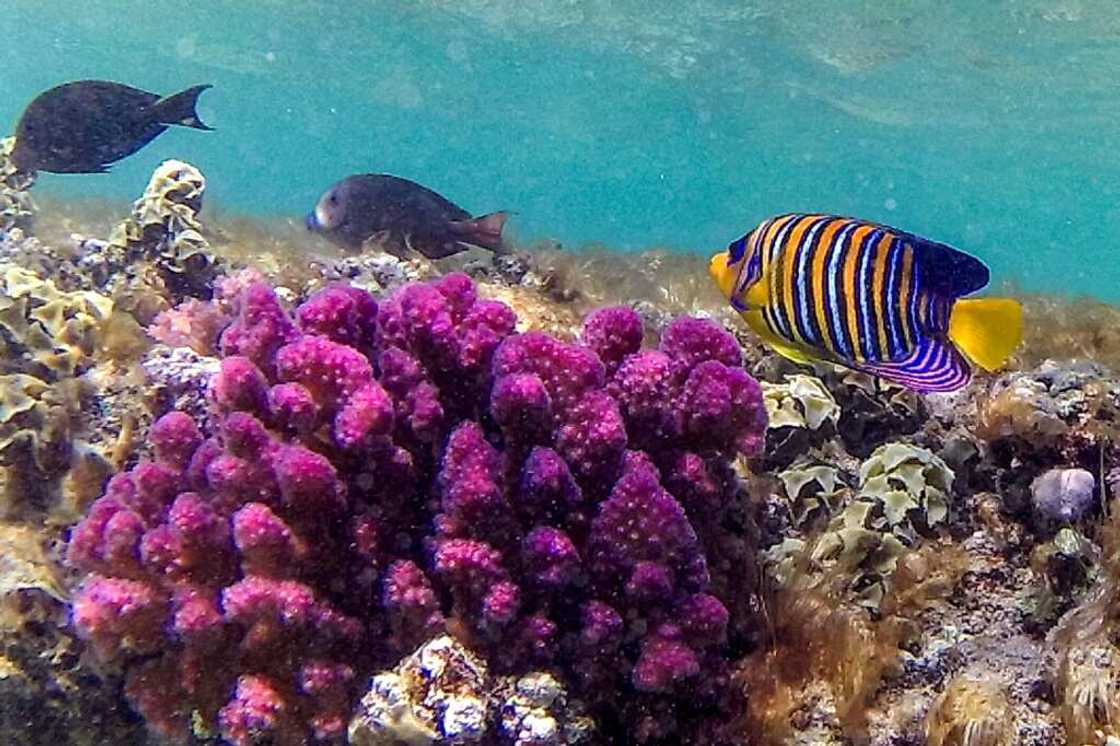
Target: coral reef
{"points": [[1054, 414], [48, 333], [444, 694], [164, 225], [1087, 681], [152, 259], [803, 415], [193, 323], [882, 593], [802, 401], [534, 710], [68, 345], [16, 207], [49, 692], [438, 694], [48, 341], [828, 656], [902, 495], [855, 567], [970, 712], [402, 510], [414, 466]]}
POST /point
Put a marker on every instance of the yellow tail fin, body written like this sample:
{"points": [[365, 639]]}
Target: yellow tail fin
{"points": [[986, 330]]}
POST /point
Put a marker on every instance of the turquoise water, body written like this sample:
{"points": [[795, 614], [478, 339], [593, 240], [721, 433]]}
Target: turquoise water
{"points": [[991, 126]]}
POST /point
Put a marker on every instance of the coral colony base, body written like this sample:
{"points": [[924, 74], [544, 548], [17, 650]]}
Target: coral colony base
{"points": [[360, 499]]}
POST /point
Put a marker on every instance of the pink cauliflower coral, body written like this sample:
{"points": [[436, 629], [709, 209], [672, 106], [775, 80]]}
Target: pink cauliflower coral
{"points": [[382, 470]]}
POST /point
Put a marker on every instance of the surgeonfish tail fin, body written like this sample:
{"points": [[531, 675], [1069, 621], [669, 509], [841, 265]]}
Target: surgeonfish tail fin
{"points": [[180, 109], [986, 330], [484, 231]]}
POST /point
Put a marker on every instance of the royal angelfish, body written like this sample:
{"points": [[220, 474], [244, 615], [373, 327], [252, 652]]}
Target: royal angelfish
{"points": [[869, 297], [84, 126]]}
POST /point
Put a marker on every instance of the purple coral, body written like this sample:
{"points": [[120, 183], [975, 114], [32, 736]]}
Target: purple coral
{"points": [[691, 341], [692, 390], [566, 371], [614, 334], [449, 331], [193, 323], [260, 328], [196, 578], [382, 471], [342, 314], [642, 535]]}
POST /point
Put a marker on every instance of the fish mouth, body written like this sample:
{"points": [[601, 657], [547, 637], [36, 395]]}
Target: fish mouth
{"points": [[721, 273], [312, 223]]}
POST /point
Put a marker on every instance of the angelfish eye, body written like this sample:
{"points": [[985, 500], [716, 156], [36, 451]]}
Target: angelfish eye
{"points": [[736, 250]]}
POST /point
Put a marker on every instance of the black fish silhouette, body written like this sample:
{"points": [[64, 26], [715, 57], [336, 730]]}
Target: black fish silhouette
{"points": [[83, 126], [399, 215]]}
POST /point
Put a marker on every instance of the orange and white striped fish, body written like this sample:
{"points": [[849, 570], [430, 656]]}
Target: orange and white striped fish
{"points": [[869, 297]]}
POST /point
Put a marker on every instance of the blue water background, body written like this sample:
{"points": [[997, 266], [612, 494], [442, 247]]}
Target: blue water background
{"points": [[988, 125]]}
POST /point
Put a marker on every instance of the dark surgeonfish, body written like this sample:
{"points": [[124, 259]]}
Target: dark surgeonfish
{"points": [[83, 126], [398, 215], [869, 297]]}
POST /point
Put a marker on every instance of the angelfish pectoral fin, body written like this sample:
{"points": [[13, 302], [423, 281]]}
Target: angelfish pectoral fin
{"points": [[758, 294], [758, 325]]}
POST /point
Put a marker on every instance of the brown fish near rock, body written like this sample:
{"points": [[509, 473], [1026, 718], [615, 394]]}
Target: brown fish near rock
{"points": [[83, 126], [400, 215]]}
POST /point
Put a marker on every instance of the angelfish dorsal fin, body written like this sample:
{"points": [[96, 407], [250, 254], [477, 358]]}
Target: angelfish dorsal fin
{"points": [[945, 270]]}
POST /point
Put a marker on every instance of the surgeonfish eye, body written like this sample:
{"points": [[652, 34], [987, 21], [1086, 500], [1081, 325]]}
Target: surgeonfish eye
{"points": [[327, 211]]}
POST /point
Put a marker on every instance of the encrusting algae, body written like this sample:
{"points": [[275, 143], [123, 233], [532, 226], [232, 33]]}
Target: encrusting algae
{"points": [[164, 232], [828, 654], [16, 207], [971, 712], [49, 340], [1088, 640]]}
